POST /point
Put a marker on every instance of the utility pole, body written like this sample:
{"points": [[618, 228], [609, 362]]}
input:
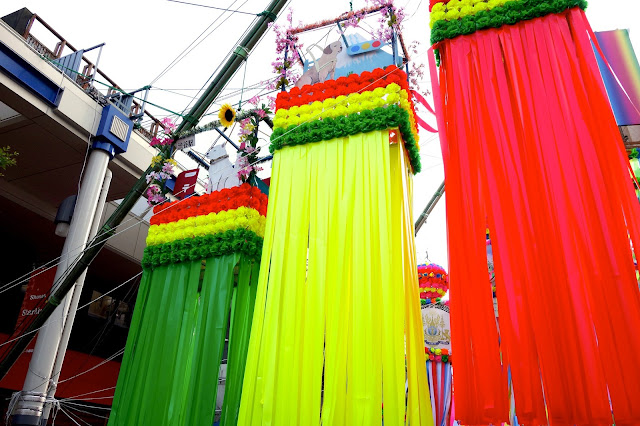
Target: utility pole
{"points": [[74, 296], [31, 400]]}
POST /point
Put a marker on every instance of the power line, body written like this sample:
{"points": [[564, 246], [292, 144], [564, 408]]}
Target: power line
{"points": [[182, 54], [230, 52], [214, 7]]}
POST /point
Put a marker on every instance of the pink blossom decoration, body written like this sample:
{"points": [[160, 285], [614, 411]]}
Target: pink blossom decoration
{"points": [[167, 167], [168, 125]]}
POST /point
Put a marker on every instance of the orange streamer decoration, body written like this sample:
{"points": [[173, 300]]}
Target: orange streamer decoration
{"points": [[531, 145]]}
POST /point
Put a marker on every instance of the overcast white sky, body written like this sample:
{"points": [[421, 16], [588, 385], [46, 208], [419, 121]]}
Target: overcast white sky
{"points": [[143, 36]]}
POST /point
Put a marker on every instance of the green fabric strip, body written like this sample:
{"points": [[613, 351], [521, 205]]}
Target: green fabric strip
{"points": [[233, 241], [508, 14], [381, 118], [239, 339], [157, 342], [169, 373], [210, 333]]}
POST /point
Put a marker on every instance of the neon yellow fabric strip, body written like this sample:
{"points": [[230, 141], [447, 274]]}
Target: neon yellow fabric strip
{"points": [[347, 315], [252, 384]]}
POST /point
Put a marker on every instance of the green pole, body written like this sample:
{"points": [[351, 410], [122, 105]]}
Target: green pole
{"points": [[240, 54], [430, 206]]}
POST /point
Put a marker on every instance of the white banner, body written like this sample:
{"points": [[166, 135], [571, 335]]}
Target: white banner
{"points": [[436, 324]]}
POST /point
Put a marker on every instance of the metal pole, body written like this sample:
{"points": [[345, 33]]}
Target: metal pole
{"points": [[93, 75], [430, 206], [71, 275], [31, 400], [75, 299]]}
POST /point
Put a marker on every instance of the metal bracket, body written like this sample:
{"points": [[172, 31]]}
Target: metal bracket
{"points": [[269, 15], [242, 52]]}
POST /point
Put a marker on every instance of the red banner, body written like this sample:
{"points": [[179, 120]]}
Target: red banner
{"points": [[35, 297]]}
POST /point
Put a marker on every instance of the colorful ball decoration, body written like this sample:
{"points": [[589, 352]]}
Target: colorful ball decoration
{"points": [[434, 283]]}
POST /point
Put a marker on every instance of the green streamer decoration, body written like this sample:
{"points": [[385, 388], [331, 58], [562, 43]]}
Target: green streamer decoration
{"points": [[170, 369]]}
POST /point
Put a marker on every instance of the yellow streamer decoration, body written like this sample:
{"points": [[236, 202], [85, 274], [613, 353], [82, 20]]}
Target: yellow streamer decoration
{"points": [[212, 223], [352, 318]]}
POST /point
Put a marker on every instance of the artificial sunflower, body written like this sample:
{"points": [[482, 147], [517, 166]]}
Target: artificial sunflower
{"points": [[226, 115]]}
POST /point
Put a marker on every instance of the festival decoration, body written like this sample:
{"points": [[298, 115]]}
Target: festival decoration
{"points": [[337, 323], [621, 74], [241, 115], [440, 377], [227, 115], [433, 283], [162, 164], [635, 168], [531, 148], [335, 59], [200, 272], [249, 150], [379, 101]]}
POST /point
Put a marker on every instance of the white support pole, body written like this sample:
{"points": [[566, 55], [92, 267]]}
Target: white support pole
{"points": [[73, 307], [31, 400]]}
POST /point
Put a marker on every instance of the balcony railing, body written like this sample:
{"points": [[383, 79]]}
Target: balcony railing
{"points": [[87, 75]]}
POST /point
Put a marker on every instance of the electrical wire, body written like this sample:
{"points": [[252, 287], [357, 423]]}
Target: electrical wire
{"points": [[235, 46], [81, 307], [106, 360], [70, 407], [69, 415], [221, 62], [182, 54], [214, 7], [71, 402], [86, 393]]}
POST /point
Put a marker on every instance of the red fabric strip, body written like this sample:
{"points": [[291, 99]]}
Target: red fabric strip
{"points": [[531, 147], [424, 125], [423, 101]]}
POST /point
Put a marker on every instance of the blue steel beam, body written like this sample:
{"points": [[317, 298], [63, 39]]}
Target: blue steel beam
{"points": [[28, 76]]}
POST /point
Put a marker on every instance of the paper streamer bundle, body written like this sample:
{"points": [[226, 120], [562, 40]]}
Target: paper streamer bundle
{"points": [[200, 266], [531, 147], [433, 283], [328, 339]]}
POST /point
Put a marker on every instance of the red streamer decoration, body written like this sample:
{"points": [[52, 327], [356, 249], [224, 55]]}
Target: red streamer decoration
{"points": [[530, 144], [424, 125], [423, 101]]}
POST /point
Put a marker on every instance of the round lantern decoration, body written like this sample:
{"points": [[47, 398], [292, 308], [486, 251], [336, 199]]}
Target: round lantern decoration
{"points": [[434, 283]]}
